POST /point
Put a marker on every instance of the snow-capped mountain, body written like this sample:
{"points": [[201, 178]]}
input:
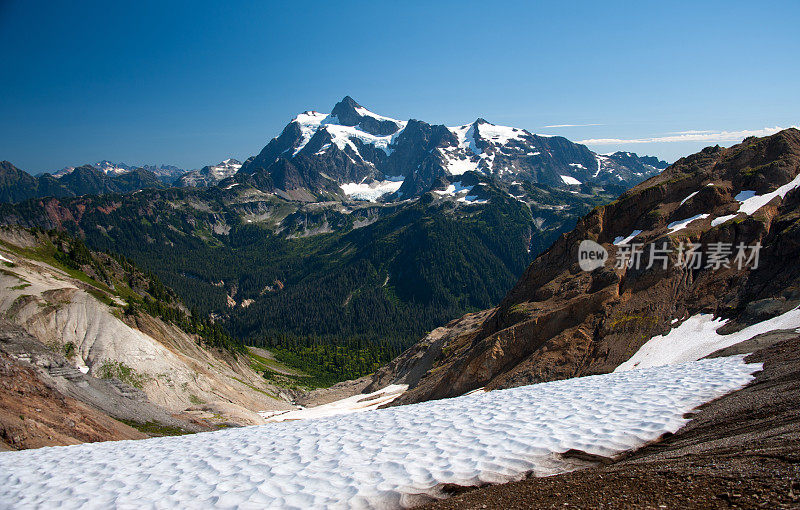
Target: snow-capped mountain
{"points": [[210, 175], [166, 173], [105, 166], [358, 153]]}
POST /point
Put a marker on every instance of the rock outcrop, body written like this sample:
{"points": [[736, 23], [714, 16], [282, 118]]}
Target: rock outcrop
{"points": [[560, 321]]}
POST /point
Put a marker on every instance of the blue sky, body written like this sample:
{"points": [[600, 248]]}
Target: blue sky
{"points": [[192, 83]]}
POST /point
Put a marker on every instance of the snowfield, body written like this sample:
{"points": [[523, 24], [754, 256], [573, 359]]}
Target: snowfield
{"points": [[697, 337], [373, 191], [355, 404], [750, 202], [389, 458]]}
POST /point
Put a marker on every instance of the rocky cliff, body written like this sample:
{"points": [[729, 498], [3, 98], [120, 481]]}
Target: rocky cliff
{"points": [[560, 321]]}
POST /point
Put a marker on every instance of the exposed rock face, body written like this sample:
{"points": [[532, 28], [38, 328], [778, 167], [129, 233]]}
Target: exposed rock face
{"points": [[210, 175], [560, 322], [319, 153], [158, 363], [33, 414]]}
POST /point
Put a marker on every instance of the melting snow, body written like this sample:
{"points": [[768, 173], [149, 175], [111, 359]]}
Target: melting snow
{"points": [[372, 191], [750, 202], [354, 404], [380, 459], [570, 180], [457, 164], [625, 240], [600, 160], [472, 199], [453, 189], [697, 337], [681, 224], [722, 219], [688, 198]]}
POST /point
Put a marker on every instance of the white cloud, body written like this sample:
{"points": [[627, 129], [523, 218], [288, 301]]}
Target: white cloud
{"points": [[689, 136], [691, 132], [572, 125]]}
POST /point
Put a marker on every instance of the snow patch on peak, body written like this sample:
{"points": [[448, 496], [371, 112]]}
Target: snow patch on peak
{"points": [[311, 122], [366, 113], [453, 189], [750, 202], [682, 224], [499, 134]]}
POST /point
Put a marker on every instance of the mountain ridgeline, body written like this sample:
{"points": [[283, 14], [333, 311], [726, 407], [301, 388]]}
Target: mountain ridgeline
{"points": [[355, 153], [560, 321], [349, 228], [318, 155]]}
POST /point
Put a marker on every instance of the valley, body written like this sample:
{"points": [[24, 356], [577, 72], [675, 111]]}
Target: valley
{"points": [[278, 301]]}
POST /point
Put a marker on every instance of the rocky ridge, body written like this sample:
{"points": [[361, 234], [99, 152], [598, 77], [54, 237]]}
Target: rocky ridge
{"points": [[560, 321]]}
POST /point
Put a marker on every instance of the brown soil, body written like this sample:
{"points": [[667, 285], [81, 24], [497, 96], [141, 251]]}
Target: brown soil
{"points": [[33, 415], [739, 451]]}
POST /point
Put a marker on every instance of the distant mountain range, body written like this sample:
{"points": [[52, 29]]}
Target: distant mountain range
{"points": [[355, 154], [348, 228], [353, 150], [17, 185], [167, 173]]}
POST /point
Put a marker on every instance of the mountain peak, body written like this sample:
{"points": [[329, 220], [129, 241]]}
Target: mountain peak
{"points": [[349, 101], [345, 111]]}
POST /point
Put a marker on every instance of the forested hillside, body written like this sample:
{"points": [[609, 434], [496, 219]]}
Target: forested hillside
{"points": [[383, 274]]}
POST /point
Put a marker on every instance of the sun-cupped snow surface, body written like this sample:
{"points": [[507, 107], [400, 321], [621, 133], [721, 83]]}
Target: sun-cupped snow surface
{"points": [[373, 191], [682, 224], [389, 458], [620, 240], [697, 337], [750, 202], [570, 180], [355, 404]]}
